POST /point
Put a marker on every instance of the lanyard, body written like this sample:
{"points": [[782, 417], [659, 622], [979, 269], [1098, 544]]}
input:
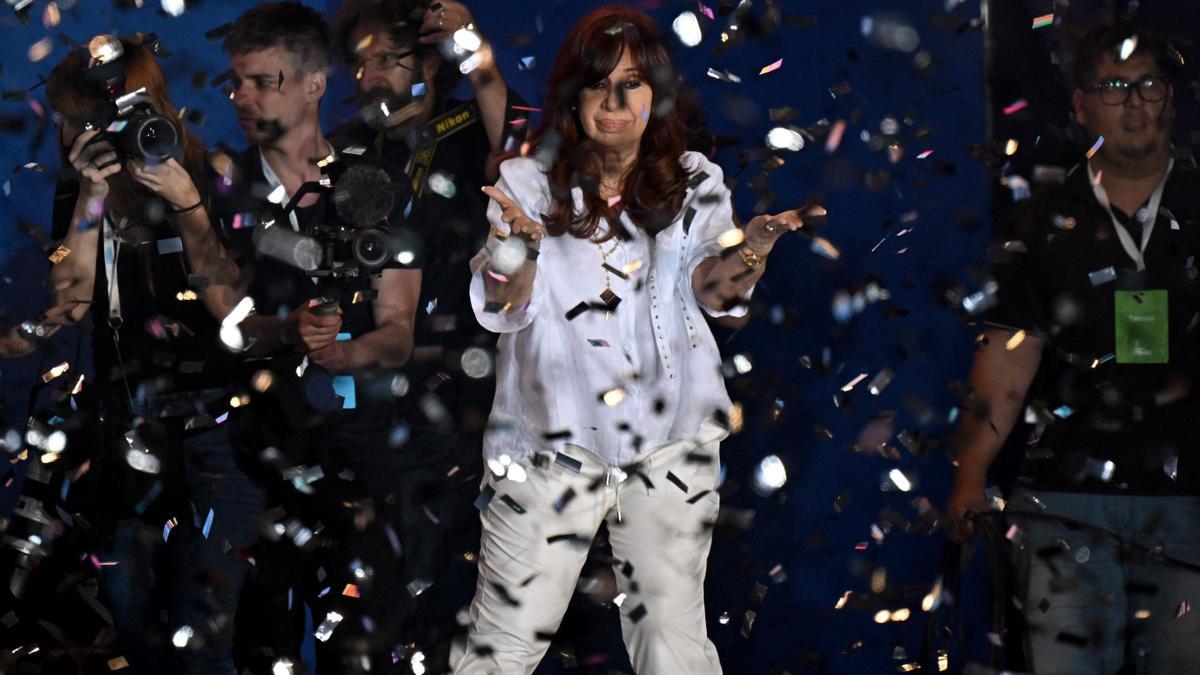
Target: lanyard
{"points": [[112, 252], [1150, 210], [112, 249]]}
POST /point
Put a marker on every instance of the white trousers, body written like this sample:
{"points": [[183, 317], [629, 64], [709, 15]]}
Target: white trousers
{"points": [[536, 536]]}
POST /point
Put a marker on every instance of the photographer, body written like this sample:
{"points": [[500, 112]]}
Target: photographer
{"points": [[164, 467], [406, 63], [328, 449]]}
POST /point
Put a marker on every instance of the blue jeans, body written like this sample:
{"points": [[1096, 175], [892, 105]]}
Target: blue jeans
{"points": [[196, 578], [1093, 604]]}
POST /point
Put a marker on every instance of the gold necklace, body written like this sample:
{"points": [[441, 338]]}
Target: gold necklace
{"points": [[608, 297]]}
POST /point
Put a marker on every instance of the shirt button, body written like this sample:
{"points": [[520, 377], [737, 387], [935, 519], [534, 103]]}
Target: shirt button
{"points": [[628, 347]]}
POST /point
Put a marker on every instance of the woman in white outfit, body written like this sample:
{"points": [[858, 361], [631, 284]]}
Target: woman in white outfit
{"points": [[608, 242]]}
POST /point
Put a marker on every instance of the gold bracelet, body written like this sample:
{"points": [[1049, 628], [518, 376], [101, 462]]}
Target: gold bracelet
{"points": [[752, 259]]}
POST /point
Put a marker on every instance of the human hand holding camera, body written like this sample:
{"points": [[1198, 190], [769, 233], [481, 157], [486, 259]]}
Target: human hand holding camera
{"points": [[95, 159], [169, 180], [311, 326]]}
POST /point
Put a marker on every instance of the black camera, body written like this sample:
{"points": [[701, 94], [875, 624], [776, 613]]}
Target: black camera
{"points": [[129, 123], [358, 232], [366, 200], [136, 131]]}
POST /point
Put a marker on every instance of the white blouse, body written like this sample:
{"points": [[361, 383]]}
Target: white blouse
{"points": [[647, 375]]}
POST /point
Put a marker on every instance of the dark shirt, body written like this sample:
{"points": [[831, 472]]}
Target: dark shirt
{"points": [[449, 213], [278, 286], [1098, 410], [161, 361], [165, 342]]}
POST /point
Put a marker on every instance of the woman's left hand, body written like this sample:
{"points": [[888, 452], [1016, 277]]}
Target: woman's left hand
{"points": [[762, 231], [168, 180]]}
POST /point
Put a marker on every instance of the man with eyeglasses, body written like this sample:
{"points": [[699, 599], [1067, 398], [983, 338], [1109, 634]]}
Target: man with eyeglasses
{"points": [[1093, 339], [407, 58]]}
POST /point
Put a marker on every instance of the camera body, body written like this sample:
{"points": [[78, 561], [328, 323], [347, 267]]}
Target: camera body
{"points": [[138, 132], [146, 135], [362, 229], [129, 123]]}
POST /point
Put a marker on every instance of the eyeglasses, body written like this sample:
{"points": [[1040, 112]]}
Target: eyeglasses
{"points": [[1116, 91], [385, 61]]}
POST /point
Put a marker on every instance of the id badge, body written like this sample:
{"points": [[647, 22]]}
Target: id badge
{"points": [[1142, 332]]}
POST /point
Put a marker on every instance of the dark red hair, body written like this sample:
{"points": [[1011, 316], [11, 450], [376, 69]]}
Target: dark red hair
{"points": [[77, 99], [655, 186]]}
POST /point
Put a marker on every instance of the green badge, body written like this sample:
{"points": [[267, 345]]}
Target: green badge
{"points": [[1142, 326]]}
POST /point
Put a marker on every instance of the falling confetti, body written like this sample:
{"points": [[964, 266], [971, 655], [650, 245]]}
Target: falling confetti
{"points": [[1016, 107], [724, 76], [687, 29], [771, 67], [1043, 21], [41, 49]]}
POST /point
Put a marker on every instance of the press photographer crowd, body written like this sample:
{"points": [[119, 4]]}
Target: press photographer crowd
{"points": [[294, 348], [387, 389]]}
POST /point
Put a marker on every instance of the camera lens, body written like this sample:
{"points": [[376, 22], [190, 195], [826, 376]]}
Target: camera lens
{"points": [[155, 138], [371, 248]]}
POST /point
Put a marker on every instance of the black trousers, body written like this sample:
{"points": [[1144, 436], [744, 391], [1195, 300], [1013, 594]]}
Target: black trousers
{"points": [[384, 521]]}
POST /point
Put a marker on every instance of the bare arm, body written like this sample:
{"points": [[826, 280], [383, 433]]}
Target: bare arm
{"points": [[74, 277], [1000, 378], [717, 281], [206, 255], [491, 92], [72, 280], [390, 344]]}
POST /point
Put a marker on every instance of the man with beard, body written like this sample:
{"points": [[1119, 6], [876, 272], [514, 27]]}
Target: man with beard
{"points": [[407, 56], [1095, 321], [326, 446]]}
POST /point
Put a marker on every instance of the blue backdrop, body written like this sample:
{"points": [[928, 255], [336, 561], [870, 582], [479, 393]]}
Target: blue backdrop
{"points": [[901, 81]]}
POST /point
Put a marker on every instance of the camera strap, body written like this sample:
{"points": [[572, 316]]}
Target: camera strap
{"points": [[435, 131]]}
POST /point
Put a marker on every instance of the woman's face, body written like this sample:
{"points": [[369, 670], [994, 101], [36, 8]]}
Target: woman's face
{"points": [[614, 111]]}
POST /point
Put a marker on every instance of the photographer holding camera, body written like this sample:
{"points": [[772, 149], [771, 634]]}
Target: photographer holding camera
{"points": [[408, 58], [137, 259], [334, 278]]}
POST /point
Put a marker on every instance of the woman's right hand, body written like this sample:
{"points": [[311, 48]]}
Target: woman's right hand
{"points": [[518, 222], [95, 160]]}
